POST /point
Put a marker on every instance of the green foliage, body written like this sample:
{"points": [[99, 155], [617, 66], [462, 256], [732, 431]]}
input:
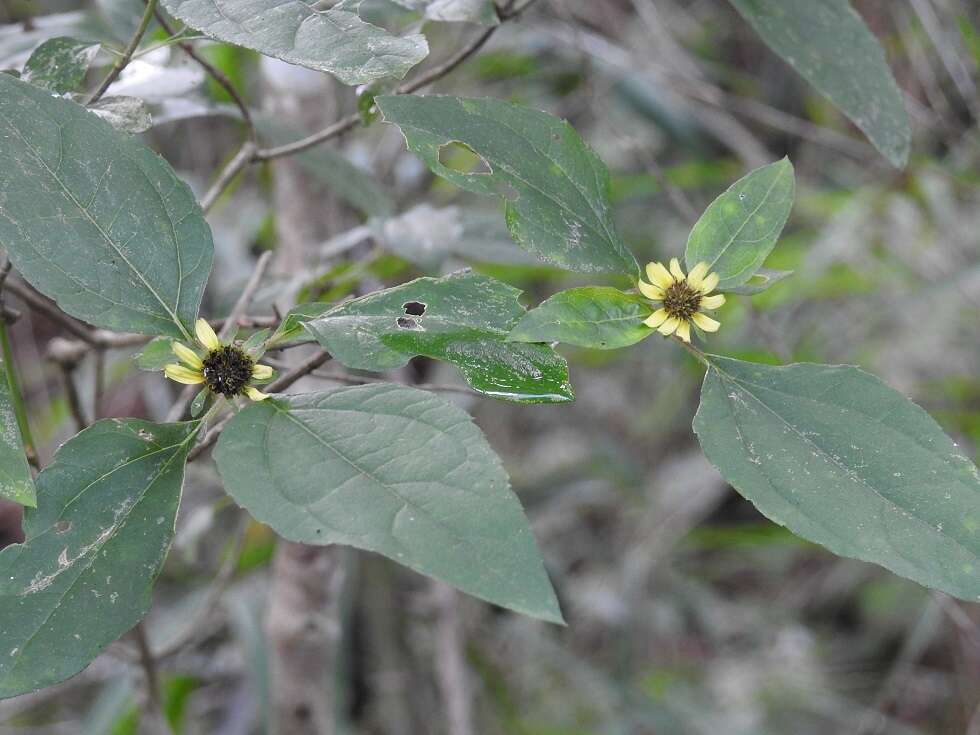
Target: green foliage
{"points": [[157, 353], [60, 64], [830, 46], [393, 470], [16, 482], [556, 189], [140, 249], [841, 459], [463, 318], [740, 228], [600, 317], [334, 40], [102, 528]]}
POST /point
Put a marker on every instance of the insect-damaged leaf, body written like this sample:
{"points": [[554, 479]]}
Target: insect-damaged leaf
{"points": [[60, 64], [841, 459], [333, 40], [463, 318], [598, 317], [555, 186], [830, 46], [740, 228], [16, 483], [96, 220], [97, 540], [393, 470]]}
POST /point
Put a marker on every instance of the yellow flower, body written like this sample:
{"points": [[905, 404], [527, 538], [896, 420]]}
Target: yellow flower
{"points": [[224, 369], [683, 299]]}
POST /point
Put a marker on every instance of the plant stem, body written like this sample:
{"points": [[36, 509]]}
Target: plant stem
{"points": [[16, 397], [127, 54], [699, 356]]}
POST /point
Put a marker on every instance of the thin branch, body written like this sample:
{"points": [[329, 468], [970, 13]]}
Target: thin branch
{"points": [[246, 154], [248, 293], [98, 381], [155, 709], [219, 76], [41, 305], [127, 54], [71, 393], [198, 622], [340, 127]]}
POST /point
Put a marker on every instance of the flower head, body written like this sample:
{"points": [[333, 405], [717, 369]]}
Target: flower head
{"points": [[225, 368], [683, 299]]}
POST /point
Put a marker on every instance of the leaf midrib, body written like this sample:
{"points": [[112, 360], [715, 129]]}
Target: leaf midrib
{"points": [[105, 235]]}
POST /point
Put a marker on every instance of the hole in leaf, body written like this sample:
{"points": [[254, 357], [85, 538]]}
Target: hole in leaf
{"points": [[461, 158], [414, 308], [62, 526], [404, 322]]}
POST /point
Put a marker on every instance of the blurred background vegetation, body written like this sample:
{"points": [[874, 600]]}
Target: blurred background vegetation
{"points": [[687, 611]]}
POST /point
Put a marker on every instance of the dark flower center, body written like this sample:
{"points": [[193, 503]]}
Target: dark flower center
{"points": [[228, 370], [681, 301]]}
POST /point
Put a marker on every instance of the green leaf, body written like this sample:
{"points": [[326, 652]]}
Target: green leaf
{"points": [[94, 545], [556, 188], [829, 45], [393, 470], [740, 228], [60, 64], [455, 11], [841, 459], [348, 182], [291, 329], [599, 317], [95, 220], [333, 40], [762, 280], [16, 481], [156, 354], [463, 318]]}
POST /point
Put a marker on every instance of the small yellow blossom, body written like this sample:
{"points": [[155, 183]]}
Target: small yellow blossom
{"points": [[683, 299], [224, 369]]}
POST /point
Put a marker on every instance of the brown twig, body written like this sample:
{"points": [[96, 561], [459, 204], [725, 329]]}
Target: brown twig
{"points": [[41, 305], [248, 293], [198, 622], [246, 154], [215, 73], [149, 665]]}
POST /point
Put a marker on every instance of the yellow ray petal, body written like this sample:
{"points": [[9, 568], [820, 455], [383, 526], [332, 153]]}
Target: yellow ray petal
{"points": [[206, 336], [669, 326], [183, 374], [713, 302], [705, 322], [261, 372], [675, 269], [656, 318], [658, 275], [255, 394], [684, 330], [709, 283], [651, 292], [697, 275], [187, 356]]}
